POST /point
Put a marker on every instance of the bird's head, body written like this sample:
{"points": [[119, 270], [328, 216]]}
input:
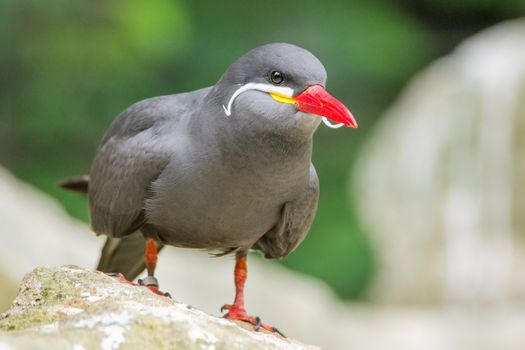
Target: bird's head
{"points": [[281, 86]]}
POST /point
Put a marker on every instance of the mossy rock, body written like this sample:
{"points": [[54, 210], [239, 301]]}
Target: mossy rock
{"points": [[73, 308]]}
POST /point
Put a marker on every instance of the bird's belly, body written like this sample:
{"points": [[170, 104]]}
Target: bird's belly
{"points": [[207, 205], [202, 222]]}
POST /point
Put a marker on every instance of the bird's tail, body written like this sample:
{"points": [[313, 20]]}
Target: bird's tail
{"points": [[124, 255], [78, 184]]}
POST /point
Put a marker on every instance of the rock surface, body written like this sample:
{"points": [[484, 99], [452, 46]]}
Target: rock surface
{"points": [[73, 308], [440, 182]]}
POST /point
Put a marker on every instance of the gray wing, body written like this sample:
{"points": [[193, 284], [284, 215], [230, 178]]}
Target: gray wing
{"points": [[296, 218], [128, 160]]}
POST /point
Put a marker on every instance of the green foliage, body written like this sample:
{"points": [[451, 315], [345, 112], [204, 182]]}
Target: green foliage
{"points": [[69, 67]]}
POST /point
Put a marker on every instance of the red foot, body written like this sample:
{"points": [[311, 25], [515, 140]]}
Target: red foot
{"points": [[152, 284], [153, 288], [121, 278], [239, 313]]}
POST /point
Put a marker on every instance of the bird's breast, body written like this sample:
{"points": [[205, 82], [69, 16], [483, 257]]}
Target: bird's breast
{"points": [[205, 204]]}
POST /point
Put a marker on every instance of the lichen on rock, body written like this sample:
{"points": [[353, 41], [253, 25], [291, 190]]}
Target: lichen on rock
{"points": [[79, 309]]}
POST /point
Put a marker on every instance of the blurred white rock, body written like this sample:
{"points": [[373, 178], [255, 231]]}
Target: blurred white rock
{"points": [[441, 181]]}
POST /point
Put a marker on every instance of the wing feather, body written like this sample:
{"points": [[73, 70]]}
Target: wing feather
{"points": [[128, 160], [296, 218]]}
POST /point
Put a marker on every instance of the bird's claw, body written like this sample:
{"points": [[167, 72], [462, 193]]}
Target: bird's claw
{"points": [[276, 330], [226, 307], [156, 290], [237, 313]]}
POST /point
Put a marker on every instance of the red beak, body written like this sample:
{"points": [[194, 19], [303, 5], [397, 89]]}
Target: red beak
{"points": [[316, 100]]}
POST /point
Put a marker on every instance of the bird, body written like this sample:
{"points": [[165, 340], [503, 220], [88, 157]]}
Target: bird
{"points": [[226, 168]]}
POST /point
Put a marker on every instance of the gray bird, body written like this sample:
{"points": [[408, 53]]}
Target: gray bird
{"points": [[226, 168]]}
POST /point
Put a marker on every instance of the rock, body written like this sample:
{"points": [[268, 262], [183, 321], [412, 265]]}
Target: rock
{"points": [[78, 309], [36, 227], [440, 182]]}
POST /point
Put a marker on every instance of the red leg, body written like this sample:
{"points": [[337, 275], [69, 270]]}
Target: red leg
{"points": [[237, 311], [151, 255]]}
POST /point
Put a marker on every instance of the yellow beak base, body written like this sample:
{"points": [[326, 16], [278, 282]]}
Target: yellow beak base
{"points": [[282, 98]]}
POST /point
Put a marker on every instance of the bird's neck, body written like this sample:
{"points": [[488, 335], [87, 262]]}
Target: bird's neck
{"points": [[242, 146], [267, 160]]}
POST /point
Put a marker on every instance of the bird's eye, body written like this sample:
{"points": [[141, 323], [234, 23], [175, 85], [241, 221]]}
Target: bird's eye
{"points": [[276, 77]]}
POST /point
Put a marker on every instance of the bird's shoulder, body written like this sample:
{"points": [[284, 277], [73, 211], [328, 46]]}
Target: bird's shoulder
{"points": [[161, 113]]}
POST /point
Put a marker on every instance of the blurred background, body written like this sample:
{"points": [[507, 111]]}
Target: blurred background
{"points": [[420, 207]]}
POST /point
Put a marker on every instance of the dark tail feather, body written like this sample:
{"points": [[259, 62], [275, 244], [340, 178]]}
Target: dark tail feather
{"points": [[78, 184], [223, 253], [124, 255]]}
